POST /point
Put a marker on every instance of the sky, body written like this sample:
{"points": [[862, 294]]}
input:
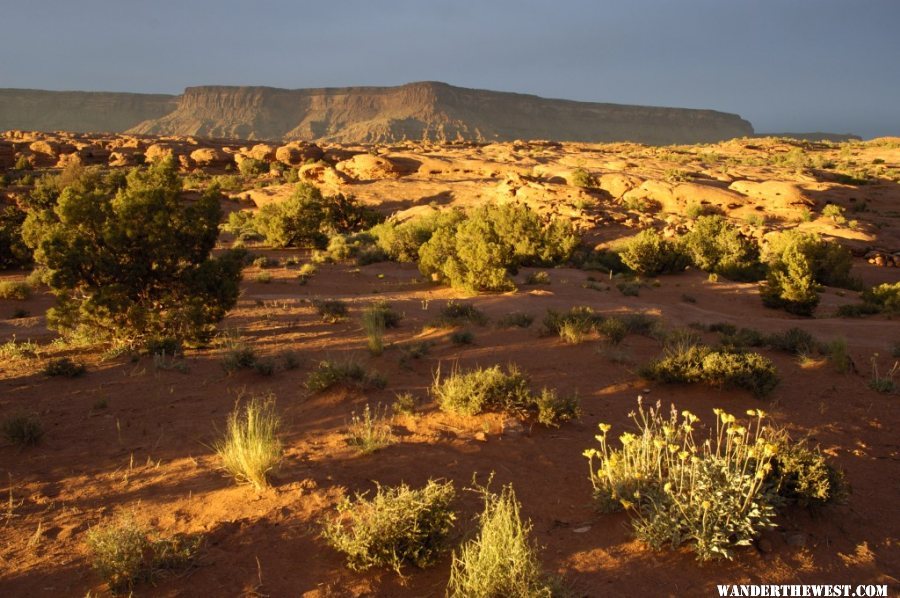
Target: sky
{"points": [[784, 65]]}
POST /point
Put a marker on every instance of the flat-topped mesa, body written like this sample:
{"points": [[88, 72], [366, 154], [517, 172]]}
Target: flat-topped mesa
{"points": [[80, 111], [427, 111]]}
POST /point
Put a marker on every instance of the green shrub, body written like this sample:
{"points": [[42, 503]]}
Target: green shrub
{"points": [[239, 357], [650, 253], [134, 263], [15, 290], [502, 560], [679, 490], [515, 319], [296, 221], [553, 408], [401, 241], [828, 262], [581, 178], [801, 475], [14, 253], [250, 449], [396, 527], [580, 317], [65, 367], [885, 296], [479, 251], [790, 284], [405, 403], [370, 431], [613, 329], [264, 261], [536, 278], [462, 337], [455, 313], [22, 429], [332, 310], [794, 341], [691, 363], [330, 373], [483, 389], [123, 552], [574, 331], [251, 167], [716, 245]]}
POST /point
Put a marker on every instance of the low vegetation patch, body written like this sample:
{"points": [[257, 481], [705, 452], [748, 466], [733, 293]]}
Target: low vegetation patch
{"points": [[693, 363], [65, 367], [22, 429], [396, 527], [492, 389], [332, 310], [456, 313], [650, 253], [331, 373], [370, 431], [125, 552]]}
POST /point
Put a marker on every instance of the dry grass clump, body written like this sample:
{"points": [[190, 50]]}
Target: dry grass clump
{"points": [[370, 431], [502, 559], [332, 310], [330, 373], [375, 319], [396, 527], [124, 553], [250, 448]]}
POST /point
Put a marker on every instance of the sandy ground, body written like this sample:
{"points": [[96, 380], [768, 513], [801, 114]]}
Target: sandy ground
{"points": [[130, 436]]}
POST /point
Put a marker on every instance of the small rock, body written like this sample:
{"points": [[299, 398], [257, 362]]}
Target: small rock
{"points": [[480, 436], [581, 530]]}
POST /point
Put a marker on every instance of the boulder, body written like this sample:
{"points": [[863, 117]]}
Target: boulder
{"points": [[297, 153], [211, 157], [366, 167], [262, 151]]}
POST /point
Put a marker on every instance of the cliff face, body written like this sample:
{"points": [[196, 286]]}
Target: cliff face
{"points": [[417, 111], [79, 111]]}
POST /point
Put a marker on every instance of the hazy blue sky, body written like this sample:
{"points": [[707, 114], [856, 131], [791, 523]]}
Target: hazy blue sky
{"points": [[787, 65]]}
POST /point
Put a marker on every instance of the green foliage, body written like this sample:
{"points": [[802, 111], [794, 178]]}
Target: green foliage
{"points": [[123, 552], [515, 319], [829, 262], [885, 296], [462, 337], [536, 278], [790, 284], [401, 241], [330, 373], [250, 449], [552, 408], [134, 264], [370, 431], [580, 318], [491, 389], [716, 245], [307, 218], [581, 178], [483, 389], [455, 313], [690, 363], [396, 527], [502, 559], [22, 429], [793, 340], [678, 491], [10, 289], [251, 167], [14, 253], [650, 253], [238, 356], [65, 367], [405, 403], [479, 251], [801, 475]]}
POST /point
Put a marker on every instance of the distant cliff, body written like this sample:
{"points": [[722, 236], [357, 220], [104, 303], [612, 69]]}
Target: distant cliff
{"points": [[80, 111], [416, 111]]}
